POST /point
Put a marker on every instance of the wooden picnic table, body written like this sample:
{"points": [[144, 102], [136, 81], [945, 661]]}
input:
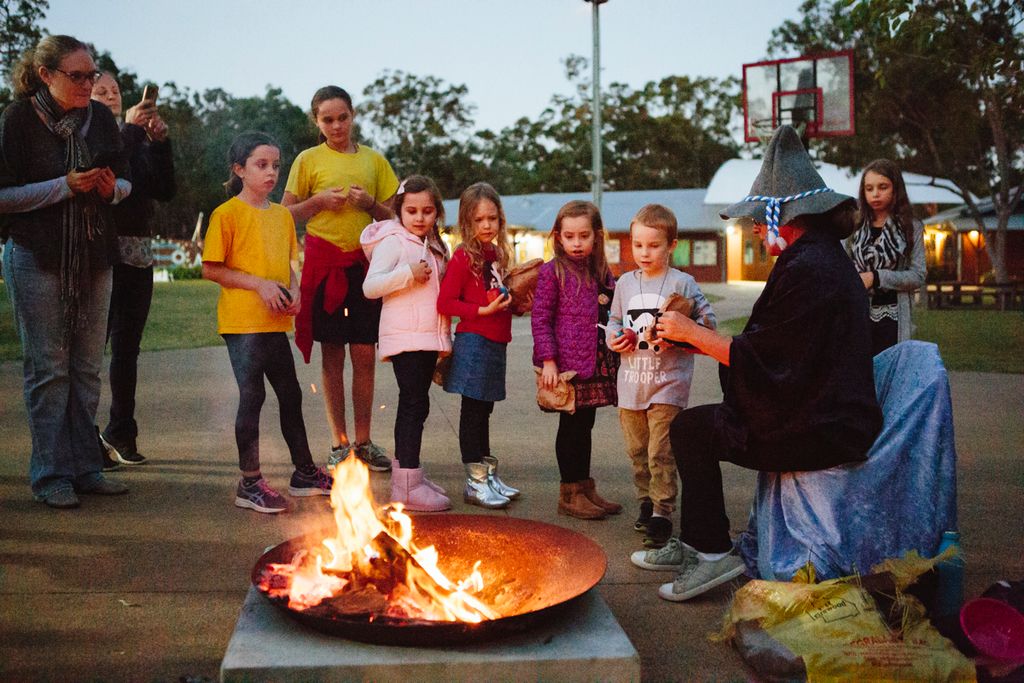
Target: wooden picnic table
{"points": [[1007, 296]]}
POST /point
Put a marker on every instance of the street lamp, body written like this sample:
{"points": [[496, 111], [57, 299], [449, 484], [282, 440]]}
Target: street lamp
{"points": [[596, 106]]}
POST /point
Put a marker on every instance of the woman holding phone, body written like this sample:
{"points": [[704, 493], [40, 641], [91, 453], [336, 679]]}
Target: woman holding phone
{"points": [[57, 257], [340, 187], [144, 135]]}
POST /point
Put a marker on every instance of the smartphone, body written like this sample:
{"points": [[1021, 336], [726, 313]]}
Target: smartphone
{"points": [[285, 292], [149, 93], [105, 159]]}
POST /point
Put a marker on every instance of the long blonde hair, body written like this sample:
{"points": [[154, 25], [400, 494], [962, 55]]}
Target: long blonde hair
{"points": [[468, 203], [597, 263]]}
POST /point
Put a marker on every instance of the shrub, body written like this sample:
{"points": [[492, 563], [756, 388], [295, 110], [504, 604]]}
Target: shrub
{"points": [[186, 273]]}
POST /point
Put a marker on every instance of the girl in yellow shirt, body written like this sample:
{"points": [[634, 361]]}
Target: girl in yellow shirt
{"points": [[249, 251]]}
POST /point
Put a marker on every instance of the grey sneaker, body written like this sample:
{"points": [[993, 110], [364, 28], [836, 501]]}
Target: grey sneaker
{"points": [[374, 456], [698, 576], [260, 497], [338, 454], [666, 559]]}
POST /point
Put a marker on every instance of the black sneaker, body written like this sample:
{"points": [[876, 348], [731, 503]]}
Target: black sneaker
{"points": [[109, 464], [646, 510], [126, 454], [316, 484], [659, 530]]}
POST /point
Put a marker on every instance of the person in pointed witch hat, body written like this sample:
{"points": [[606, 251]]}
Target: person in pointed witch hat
{"points": [[798, 381]]}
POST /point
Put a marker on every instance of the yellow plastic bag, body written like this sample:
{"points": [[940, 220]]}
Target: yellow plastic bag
{"points": [[834, 630]]}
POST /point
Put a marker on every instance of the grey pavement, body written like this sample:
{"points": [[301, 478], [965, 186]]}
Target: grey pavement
{"points": [[149, 586]]}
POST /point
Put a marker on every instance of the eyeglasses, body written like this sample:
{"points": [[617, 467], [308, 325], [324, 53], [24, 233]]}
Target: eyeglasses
{"points": [[81, 77]]}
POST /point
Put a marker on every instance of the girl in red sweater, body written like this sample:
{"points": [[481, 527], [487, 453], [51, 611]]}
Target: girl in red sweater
{"points": [[472, 289]]}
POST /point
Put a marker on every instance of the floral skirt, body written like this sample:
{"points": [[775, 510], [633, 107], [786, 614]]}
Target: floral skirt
{"points": [[600, 388]]}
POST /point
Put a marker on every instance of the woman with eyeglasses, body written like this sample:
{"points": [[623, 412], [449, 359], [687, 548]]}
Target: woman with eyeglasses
{"points": [[61, 169]]}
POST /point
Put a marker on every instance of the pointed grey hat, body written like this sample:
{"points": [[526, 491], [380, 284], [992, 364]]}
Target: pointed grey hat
{"points": [[787, 185]]}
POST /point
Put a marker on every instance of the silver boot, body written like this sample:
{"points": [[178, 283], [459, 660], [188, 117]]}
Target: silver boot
{"points": [[478, 488], [496, 483]]}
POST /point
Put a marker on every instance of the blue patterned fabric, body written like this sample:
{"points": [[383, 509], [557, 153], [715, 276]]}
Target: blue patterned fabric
{"points": [[848, 518]]}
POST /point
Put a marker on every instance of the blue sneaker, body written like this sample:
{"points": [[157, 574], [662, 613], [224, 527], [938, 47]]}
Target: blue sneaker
{"points": [[338, 454], [260, 497], [317, 484]]}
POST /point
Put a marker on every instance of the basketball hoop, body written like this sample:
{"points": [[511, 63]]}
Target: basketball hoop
{"points": [[814, 94]]}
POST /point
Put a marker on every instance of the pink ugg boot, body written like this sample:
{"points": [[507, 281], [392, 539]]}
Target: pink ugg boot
{"points": [[428, 482], [409, 487]]}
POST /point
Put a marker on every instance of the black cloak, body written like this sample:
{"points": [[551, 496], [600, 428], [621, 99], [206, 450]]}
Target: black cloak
{"points": [[801, 371]]}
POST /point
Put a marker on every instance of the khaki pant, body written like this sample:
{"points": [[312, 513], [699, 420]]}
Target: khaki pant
{"points": [[654, 469]]}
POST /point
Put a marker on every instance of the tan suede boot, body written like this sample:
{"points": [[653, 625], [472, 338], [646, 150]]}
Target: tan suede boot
{"points": [[590, 491], [573, 502]]}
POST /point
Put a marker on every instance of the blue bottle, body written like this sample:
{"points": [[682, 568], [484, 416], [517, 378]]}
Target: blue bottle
{"points": [[951, 577]]}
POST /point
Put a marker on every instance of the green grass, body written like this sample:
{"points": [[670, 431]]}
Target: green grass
{"points": [[183, 316], [978, 341], [982, 341]]}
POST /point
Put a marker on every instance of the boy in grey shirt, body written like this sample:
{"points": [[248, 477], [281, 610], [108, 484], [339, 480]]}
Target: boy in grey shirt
{"points": [[654, 376]]}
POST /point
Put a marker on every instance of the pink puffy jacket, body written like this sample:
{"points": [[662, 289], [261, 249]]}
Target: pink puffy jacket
{"points": [[409, 320]]}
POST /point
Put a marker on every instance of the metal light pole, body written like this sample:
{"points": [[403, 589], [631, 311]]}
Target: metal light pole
{"points": [[596, 106]]}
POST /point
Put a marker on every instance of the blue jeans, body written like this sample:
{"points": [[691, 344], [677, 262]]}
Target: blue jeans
{"points": [[62, 385], [254, 356]]}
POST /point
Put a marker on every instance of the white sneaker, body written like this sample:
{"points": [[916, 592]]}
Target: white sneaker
{"points": [[699, 576], [666, 559]]}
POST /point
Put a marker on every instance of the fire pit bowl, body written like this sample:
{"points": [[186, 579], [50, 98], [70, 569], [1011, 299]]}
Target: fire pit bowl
{"points": [[530, 571]]}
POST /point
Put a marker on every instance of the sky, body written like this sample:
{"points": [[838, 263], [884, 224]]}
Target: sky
{"points": [[507, 52]]}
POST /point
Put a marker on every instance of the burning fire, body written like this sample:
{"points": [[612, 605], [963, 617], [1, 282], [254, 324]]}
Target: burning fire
{"points": [[372, 564]]}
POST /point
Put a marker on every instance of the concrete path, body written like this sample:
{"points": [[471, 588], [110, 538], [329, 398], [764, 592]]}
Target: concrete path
{"points": [[148, 586]]}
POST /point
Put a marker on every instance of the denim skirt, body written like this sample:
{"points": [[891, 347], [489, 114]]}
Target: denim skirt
{"points": [[478, 368]]}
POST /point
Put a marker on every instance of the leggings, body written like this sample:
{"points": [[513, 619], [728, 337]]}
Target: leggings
{"points": [[414, 371], [573, 444], [254, 356], [474, 429]]}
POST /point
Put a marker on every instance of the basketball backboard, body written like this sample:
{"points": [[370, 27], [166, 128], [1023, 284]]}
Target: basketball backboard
{"points": [[814, 91]]}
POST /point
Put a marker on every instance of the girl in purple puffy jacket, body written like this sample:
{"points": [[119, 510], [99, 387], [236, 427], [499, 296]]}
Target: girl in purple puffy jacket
{"points": [[574, 292]]}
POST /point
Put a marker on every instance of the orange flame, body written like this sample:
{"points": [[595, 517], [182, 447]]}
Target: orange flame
{"points": [[424, 591]]}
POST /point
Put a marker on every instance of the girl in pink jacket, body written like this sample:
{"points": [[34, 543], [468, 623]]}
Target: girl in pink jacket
{"points": [[407, 260]]}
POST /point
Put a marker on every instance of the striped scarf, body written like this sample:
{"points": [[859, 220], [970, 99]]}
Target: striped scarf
{"points": [[883, 253], [79, 221]]}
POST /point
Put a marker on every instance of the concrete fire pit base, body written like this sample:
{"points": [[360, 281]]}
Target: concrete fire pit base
{"points": [[584, 643]]}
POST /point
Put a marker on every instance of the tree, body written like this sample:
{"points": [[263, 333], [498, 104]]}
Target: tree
{"points": [[422, 125], [668, 134], [19, 30], [673, 133], [202, 128], [938, 87]]}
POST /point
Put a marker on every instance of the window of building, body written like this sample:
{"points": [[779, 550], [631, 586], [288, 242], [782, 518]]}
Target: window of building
{"points": [[705, 253], [681, 255]]}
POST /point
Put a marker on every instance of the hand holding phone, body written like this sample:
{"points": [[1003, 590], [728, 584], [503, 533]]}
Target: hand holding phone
{"points": [[104, 159]]}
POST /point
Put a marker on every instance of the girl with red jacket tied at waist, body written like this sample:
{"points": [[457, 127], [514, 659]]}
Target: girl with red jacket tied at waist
{"points": [[572, 299], [339, 187]]}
